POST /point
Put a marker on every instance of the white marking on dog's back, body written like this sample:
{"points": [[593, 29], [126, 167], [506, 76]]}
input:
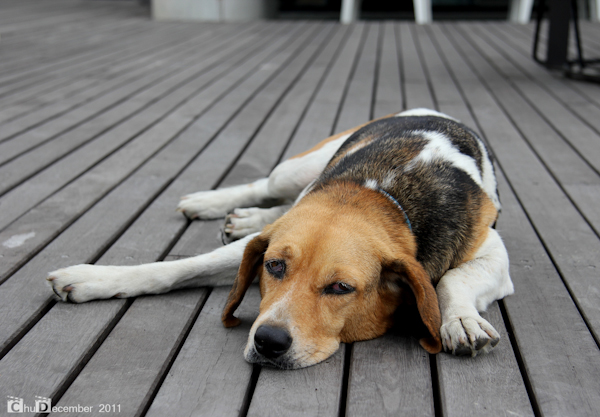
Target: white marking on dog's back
{"points": [[489, 179], [17, 240], [358, 147], [424, 112], [439, 147], [372, 184]]}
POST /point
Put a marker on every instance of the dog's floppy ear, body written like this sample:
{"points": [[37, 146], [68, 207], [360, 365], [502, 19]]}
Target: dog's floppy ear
{"points": [[251, 262], [413, 274]]}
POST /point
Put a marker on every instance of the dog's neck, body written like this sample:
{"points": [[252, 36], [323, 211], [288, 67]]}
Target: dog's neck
{"points": [[397, 204]]}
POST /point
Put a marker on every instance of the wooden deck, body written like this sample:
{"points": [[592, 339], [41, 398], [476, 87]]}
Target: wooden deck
{"points": [[106, 118]]}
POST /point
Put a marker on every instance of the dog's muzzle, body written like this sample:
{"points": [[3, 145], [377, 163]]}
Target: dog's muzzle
{"points": [[272, 342]]}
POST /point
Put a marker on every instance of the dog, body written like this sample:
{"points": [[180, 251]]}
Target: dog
{"points": [[400, 210]]}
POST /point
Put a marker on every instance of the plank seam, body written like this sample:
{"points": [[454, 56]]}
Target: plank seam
{"points": [[76, 370], [520, 362], [423, 63], [25, 329], [376, 71], [311, 100], [436, 390], [147, 403], [256, 369], [400, 64], [348, 350], [350, 76]]}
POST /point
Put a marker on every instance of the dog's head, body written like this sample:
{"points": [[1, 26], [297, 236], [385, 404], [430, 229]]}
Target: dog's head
{"points": [[333, 269]]}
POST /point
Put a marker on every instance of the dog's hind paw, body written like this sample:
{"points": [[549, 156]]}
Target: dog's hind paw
{"points": [[204, 205], [468, 336], [215, 204]]}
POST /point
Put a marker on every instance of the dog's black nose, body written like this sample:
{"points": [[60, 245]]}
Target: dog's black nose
{"points": [[272, 342]]}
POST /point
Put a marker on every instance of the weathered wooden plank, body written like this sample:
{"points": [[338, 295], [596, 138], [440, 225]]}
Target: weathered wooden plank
{"points": [[85, 85], [544, 310], [358, 98], [156, 82], [560, 117], [560, 358], [535, 121], [118, 18], [580, 100], [210, 376], [444, 91], [124, 370], [61, 44], [320, 116], [519, 41], [313, 391], [418, 93], [138, 69], [390, 376], [107, 35], [45, 72], [77, 162], [388, 95], [90, 34], [35, 355], [47, 19]]}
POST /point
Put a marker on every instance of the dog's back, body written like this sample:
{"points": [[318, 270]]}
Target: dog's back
{"points": [[437, 170]]}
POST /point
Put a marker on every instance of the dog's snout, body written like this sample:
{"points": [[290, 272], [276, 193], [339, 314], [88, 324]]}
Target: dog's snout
{"points": [[271, 341]]}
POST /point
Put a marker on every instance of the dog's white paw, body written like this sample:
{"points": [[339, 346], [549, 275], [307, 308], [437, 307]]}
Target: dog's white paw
{"points": [[468, 336], [243, 222], [205, 205], [81, 283]]}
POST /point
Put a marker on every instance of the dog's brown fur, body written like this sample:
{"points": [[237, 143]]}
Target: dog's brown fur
{"points": [[357, 237]]}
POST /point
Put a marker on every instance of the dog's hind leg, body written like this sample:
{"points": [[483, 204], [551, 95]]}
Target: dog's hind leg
{"points": [[468, 289], [284, 184], [81, 283]]}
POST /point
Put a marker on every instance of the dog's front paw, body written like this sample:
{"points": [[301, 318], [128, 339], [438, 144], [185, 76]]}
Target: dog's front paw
{"points": [[468, 336], [81, 283]]}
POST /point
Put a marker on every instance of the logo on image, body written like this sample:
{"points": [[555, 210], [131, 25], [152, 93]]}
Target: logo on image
{"points": [[17, 405]]}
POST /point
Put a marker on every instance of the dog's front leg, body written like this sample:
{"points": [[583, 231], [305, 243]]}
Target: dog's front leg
{"points": [[468, 289], [81, 283]]}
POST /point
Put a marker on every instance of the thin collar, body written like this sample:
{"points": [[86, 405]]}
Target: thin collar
{"points": [[397, 204]]}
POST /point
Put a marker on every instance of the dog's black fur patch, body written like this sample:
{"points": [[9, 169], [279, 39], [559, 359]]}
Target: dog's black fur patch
{"points": [[441, 200]]}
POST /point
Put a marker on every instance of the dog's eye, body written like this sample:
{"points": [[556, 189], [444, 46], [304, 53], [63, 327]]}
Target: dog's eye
{"points": [[339, 288], [275, 267]]}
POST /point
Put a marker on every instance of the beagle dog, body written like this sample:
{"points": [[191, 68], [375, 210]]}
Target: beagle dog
{"points": [[399, 210]]}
